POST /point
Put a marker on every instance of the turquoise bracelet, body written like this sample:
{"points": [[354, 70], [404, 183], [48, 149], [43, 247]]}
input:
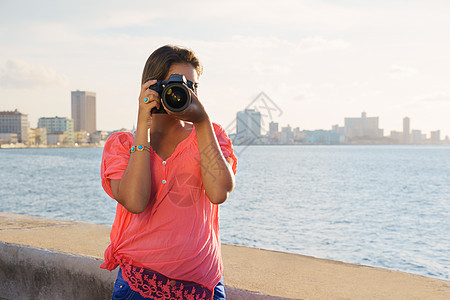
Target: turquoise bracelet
{"points": [[139, 148]]}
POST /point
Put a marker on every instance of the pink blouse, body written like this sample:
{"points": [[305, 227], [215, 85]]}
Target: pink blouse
{"points": [[177, 235]]}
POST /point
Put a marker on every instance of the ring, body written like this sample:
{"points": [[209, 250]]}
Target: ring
{"points": [[146, 100]]}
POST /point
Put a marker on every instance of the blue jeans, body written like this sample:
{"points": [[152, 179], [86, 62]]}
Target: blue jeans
{"points": [[122, 290], [219, 291]]}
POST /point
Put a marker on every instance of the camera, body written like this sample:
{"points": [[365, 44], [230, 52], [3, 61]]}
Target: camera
{"points": [[174, 93]]}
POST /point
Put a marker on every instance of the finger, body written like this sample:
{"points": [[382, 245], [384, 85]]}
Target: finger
{"points": [[149, 102], [146, 99], [151, 105], [147, 108], [148, 84], [150, 95], [149, 92], [154, 101]]}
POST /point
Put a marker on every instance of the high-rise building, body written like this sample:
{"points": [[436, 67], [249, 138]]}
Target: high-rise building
{"points": [[84, 111], [286, 135], [56, 126], [362, 128], [296, 134], [15, 122], [435, 137], [273, 128], [248, 126], [416, 137], [406, 130], [273, 131]]}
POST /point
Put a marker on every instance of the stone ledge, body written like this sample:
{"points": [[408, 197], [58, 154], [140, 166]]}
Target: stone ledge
{"points": [[31, 273]]}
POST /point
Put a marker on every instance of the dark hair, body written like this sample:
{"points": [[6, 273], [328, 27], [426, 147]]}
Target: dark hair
{"points": [[158, 64]]}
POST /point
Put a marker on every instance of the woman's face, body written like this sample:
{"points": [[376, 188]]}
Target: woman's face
{"points": [[185, 69]]}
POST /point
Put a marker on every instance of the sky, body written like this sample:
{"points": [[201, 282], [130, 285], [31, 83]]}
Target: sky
{"points": [[317, 61]]}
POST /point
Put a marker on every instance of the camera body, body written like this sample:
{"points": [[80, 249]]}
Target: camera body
{"points": [[174, 93]]}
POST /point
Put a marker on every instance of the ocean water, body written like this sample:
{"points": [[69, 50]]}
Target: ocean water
{"points": [[385, 206]]}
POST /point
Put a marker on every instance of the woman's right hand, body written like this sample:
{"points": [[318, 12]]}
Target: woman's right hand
{"points": [[148, 99]]}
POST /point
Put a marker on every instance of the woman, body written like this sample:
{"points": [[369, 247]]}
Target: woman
{"points": [[165, 235]]}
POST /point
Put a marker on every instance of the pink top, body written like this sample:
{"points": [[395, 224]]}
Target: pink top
{"points": [[177, 235]]}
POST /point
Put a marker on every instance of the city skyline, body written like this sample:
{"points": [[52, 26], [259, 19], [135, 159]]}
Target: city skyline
{"points": [[251, 127], [254, 127], [250, 124], [79, 129], [93, 122], [92, 113], [320, 61]]}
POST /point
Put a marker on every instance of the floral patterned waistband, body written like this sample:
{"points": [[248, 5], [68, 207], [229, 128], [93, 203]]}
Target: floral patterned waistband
{"points": [[157, 286]]}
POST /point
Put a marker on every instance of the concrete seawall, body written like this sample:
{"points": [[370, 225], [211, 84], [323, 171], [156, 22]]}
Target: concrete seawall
{"points": [[55, 259], [30, 273]]}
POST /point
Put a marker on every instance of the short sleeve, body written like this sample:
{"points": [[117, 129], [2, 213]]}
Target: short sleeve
{"points": [[225, 145], [115, 158]]}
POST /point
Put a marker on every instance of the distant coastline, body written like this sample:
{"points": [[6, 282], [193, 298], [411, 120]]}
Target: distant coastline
{"points": [[18, 146], [414, 145]]}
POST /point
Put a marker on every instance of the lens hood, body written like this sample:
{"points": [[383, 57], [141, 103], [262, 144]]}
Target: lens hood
{"points": [[176, 97]]}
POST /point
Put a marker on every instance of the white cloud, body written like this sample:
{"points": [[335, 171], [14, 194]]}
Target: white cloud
{"points": [[363, 84], [290, 14], [441, 97], [318, 43], [303, 96], [18, 74], [266, 42], [122, 18], [397, 71], [435, 99], [273, 69]]}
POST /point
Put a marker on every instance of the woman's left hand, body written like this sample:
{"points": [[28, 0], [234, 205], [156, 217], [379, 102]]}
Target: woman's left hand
{"points": [[194, 113]]}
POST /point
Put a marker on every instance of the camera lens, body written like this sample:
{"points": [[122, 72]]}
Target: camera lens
{"points": [[176, 97]]}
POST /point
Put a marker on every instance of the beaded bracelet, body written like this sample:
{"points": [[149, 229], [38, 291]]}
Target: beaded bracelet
{"points": [[139, 148]]}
